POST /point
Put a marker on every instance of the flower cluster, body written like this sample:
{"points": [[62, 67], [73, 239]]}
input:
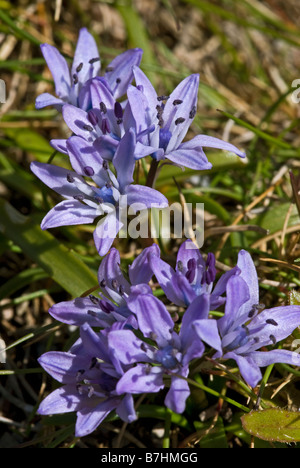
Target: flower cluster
{"points": [[130, 342]]}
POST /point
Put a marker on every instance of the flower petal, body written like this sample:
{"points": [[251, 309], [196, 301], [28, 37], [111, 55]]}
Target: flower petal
{"points": [[249, 370], [140, 197], [140, 270], [141, 379], [68, 213], [89, 418], [65, 399], [237, 293], [207, 330], [119, 72], [46, 99], [205, 141], [106, 232], [62, 366], [189, 157], [178, 393], [265, 358], [126, 410], [59, 70], [78, 122], [86, 51], [110, 274], [127, 347]]}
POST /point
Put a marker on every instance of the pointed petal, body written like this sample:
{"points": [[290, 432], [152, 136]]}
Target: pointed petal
{"points": [[106, 145], [187, 251], [86, 50], [110, 272], [249, 275], [56, 178], [62, 400], [152, 316], [89, 418], [265, 358], [143, 83], [205, 141], [207, 330], [62, 366], [124, 160], [140, 197], [127, 347], [141, 379], [189, 157], [178, 393], [68, 213], [126, 410], [46, 99], [121, 69], [249, 370], [77, 312], [187, 93], [164, 273], [106, 232], [237, 293], [59, 145], [59, 70], [140, 270]]}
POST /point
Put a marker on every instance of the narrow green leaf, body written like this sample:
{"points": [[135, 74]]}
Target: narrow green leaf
{"points": [[273, 424], [60, 264]]}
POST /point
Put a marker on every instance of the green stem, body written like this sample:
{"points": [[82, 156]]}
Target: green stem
{"points": [[150, 182]]}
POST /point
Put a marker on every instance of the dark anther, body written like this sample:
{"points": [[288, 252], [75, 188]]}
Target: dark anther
{"points": [[94, 60], [162, 98], [93, 362], [177, 101], [93, 299], [108, 184], [103, 107], [70, 178], [89, 171], [106, 307], [118, 80], [192, 112], [273, 339], [121, 290], [143, 347], [179, 265], [105, 165], [119, 121], [114, 284], [252, 312], [92, 117], [75, 78], [109, 69], [272, 322], [103, 283], [78, 197], [79, 68], [98, 200], [105, 127], [179, 120], [118, 110], [79, 388], [88, 128]]}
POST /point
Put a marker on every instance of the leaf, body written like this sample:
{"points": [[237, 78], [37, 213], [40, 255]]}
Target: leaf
{"points": [[273, 424], [62, 265]]}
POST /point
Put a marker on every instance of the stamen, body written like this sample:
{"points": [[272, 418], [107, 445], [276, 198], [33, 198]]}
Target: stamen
{"points": [[88, 128], [78, 197], [89, 171], [118, 110], [103, 107], [105, 165], [94, 361], [143, 347], [94, 60], [162, 98], [70, 178], [122, 290], [273, 339], [179, 120], [118, 80], [114, 284], [106, 307], [105, 127], [179, 265], [92, 117], [75, 78], [272, 322], [79, 374], [103, 283], [177, 101], [109, 69], [193, 112], [91, 391], [79, 68], [93, 299]]}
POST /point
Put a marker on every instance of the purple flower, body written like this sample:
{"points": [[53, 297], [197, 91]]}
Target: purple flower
{"points": [[192, 277], [103, 125], [244, 329], [110, 305], [162, 352], [172, 116], [107, 196], [72, 85], [89, 375]]}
